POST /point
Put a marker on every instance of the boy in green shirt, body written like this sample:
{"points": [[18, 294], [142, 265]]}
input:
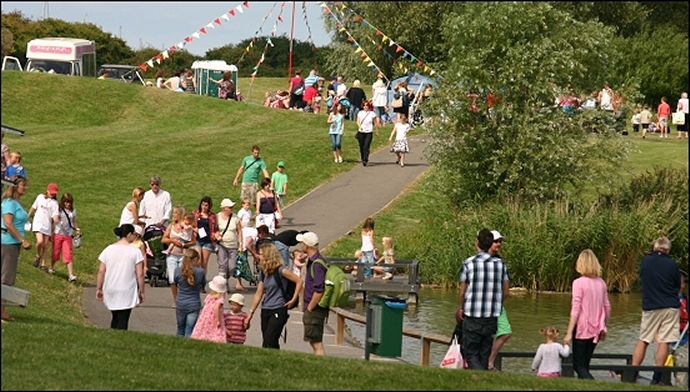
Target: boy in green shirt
{"points": [[279, 182]]}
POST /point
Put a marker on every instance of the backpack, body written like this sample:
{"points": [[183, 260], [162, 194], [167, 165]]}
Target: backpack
{"points": [[289, 291], [337, 284]]}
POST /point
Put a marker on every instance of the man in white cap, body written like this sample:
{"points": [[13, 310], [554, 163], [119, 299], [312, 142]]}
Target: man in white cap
{"points": [[156, 205], [314, 316], [484, 284]]}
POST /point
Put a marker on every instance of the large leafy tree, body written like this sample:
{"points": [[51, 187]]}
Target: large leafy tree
{"points": [[525, 54]]}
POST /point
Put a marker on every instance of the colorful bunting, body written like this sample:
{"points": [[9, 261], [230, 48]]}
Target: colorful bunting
{"points": [[187, 40]]}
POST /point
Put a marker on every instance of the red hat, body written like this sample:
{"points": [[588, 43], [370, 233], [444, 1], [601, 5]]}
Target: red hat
{"points": [[53, 188]]}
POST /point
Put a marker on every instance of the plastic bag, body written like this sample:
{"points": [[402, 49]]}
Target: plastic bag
{"points": [[453, 358]]}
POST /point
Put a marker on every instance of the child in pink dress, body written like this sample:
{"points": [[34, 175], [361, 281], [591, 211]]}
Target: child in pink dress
{"points": [[210, 325]]}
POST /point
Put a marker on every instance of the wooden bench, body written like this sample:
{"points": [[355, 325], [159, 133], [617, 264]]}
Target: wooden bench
{"points": [[409, 284], [15, 296]]}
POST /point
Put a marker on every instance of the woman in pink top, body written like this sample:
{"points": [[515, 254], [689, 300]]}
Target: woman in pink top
{"points": [[589, 312]]}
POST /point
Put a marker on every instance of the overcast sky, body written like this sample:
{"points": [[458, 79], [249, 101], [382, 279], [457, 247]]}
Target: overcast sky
{"points": [[164, 24]]}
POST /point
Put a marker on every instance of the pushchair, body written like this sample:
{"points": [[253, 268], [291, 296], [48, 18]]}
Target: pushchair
{"points": [[346, 106], [157, 272]]}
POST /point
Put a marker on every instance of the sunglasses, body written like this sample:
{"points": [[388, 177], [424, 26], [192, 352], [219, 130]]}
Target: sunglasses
{"points": [[155, 184]]}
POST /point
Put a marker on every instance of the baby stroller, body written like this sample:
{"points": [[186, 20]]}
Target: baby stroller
{"points": [[346, 106], [157, 273]]}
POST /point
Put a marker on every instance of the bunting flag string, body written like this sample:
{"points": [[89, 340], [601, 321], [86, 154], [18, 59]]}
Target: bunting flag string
{"points": [[195, 35], [356, 18], [350, 38], [255, 70], [309, 38], [257, 33]]}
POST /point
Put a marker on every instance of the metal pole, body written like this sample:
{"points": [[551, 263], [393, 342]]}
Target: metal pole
{"points": [[292, 31], [367, 330]]}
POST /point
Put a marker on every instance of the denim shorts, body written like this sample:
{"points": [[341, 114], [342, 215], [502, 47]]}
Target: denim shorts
{"points": [[207, 246]]}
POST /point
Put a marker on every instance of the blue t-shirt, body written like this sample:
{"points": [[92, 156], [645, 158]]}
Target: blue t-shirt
{"points": [[273, 296], [20, 217], [15, 170], [337, 125], [188, 297]]}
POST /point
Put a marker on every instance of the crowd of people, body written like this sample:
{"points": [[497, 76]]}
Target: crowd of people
{"points": [[485, 284]]}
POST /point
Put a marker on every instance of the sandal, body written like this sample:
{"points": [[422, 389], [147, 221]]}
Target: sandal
{"points": [[44, 268], [8, 317], [37, 261]]}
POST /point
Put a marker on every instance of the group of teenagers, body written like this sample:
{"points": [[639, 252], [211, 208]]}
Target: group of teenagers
{"points": [[481, 317]]}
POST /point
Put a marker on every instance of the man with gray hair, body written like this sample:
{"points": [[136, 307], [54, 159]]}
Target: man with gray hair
{"points": [[660, 278], [156, 206]]}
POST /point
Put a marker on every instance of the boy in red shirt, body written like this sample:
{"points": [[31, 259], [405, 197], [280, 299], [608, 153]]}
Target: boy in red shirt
{"points": [[662, 113]]}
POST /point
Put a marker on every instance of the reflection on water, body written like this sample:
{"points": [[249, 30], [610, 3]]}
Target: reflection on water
{"points": [[527, 313]]}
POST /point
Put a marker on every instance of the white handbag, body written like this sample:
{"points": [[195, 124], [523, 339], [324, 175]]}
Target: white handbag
{"points": [[678, 118]]}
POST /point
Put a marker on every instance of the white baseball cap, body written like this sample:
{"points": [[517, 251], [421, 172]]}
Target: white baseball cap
{"points": [[309, 238], [497, 235]]}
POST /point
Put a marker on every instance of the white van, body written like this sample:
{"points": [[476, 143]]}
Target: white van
{"points": [[67, 56]]}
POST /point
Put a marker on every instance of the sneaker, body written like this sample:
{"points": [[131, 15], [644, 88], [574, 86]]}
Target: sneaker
{"points": [[72, 278], [335, 160], [51, 271], [340, 159]]}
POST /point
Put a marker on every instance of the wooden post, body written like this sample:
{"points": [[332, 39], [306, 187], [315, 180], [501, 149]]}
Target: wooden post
{"points": [[425, 353], [339, 329]]}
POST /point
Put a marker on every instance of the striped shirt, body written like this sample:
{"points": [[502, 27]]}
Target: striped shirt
{"points": [[235, 324], [484, 275]]}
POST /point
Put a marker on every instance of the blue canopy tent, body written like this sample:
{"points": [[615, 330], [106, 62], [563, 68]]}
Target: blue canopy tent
{"points": [[415, 81]]}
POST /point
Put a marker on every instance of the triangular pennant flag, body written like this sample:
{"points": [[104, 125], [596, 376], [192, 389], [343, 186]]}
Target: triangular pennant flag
{"points": [[367, 59], [239, 9], [188, 39], [150, 63], [203, 30], [210, 25], [217, 20], [226, 17], [419, 63], [172, 50], [378, 32], [406, 54], [246, 4], [359, 49], [362, 55], [400, 65], [143, 67], [158, 60], [232, 12], [350, 38], [426, 68], [181, 45], [165, 54], [432, 72], [406, 71], [371, 64], [391, 43], [398, 49], [196, 35], [280, 18]]}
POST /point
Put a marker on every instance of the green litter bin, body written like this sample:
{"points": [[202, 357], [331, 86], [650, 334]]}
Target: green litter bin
{"points": [[386, 325]]}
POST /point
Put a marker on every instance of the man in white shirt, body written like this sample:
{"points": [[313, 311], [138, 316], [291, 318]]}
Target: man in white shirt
{"points": [[156, 206], [341, 89]]}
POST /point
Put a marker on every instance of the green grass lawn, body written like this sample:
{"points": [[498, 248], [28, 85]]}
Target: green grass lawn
{"points": [[98, 140]]}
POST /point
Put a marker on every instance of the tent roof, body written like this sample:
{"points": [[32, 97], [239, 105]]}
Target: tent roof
{"points": [[414, 80], [215, 65]]}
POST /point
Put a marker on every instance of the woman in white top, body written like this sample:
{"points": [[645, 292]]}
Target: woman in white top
{"points": [[130, 212], [120, 282], [229, 240], [46, 208], [365, 126], [683, 107], [379, 100]]}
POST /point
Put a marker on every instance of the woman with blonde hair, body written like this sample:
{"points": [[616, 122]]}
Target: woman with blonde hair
{"points": [[271, 291], [589, 312], [356, 96], [190, 278], [172, 236], [130, 212]]}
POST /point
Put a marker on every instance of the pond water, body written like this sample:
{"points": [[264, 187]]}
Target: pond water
{"points": [[527, 313]]}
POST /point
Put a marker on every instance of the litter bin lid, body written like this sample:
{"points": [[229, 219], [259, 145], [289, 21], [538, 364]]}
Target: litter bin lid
{"points": [[388, 298]]}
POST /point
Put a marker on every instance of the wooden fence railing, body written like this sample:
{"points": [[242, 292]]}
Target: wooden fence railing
{"points": [[627, 371]]}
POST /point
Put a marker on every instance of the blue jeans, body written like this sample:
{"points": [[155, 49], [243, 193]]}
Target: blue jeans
{"points": [[368, 261], [284, 251], [353, 112], [171, 263], [186, 320], [336, 139]]}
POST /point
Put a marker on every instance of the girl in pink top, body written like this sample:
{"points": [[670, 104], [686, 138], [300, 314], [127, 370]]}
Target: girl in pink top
{"points": [[589, 312]]}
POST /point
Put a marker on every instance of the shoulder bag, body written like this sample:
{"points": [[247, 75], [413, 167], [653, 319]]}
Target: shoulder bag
{"points": [[276, 213], [76, 239], [224, 230], [397, 102]]}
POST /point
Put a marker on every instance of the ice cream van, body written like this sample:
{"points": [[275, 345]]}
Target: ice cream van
{"points": [[67, 56]]}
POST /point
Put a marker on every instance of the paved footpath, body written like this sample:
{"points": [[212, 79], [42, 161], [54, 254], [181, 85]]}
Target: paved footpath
{"points": [[331, 211]]}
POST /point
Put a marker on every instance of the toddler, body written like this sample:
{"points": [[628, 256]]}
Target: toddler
{"points": [[210, 325], [235, 326], [186, 232], [245, 213], [299, 260], [15, 168], [387, 258], [548, 358]]}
